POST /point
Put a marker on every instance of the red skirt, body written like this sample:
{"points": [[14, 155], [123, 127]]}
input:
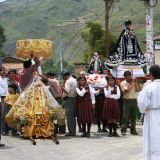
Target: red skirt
{"points": [[85, 112], [111, 110]]}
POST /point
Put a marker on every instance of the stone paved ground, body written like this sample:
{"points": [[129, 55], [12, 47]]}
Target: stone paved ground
{"points": [[97, 147]]}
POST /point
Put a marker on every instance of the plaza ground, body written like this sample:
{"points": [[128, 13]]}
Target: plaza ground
{"points": [[98, 147]]}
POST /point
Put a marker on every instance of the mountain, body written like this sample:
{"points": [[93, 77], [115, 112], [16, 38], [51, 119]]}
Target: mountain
{"points": [[62, 21]]}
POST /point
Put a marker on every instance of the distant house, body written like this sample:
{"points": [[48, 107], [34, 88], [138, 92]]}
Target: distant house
{"points": [[156, 42], [157, 49], [12, 62]]}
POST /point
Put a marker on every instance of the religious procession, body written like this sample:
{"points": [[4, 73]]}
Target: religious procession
{"points": [[113, 95]]}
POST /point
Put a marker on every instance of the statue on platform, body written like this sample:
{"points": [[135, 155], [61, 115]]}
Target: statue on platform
{"points": [[127, 50], [95, 65]]}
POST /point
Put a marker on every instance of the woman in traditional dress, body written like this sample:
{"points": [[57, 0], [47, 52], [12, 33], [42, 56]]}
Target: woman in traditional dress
{"points": [[86, 104], [111, 111]]}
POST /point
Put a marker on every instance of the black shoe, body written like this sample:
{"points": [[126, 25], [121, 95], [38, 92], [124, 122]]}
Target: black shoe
{"points": [[99, 130], [110, 134], [4, 134], [115, 135], [70, 134], [134, 132], [15, 134], [123, 133], [84, 135], [2, 145], [104, 130], [88, 135], [62, 129]]}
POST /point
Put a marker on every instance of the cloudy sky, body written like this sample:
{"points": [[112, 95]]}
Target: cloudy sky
{"points": [[2, 0]]}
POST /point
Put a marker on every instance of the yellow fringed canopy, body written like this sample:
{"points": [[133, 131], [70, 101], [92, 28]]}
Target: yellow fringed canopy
{"points": [[29, 48]]}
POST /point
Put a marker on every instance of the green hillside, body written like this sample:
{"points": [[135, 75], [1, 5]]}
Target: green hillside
{"points": [[63, 21]]}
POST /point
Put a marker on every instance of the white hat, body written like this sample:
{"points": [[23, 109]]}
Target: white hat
{"points": [[83, 72]]}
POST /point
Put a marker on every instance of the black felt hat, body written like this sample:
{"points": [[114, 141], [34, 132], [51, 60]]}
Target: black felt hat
{"points": [[27, 63], [128, 22], [66, 74]]}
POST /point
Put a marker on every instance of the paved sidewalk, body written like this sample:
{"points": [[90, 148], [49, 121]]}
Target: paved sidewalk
{"points": [[97, 147]]}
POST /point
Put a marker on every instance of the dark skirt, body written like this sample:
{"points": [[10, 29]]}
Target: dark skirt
{"points": [[85, 112], [99, 108], [111, 110]]}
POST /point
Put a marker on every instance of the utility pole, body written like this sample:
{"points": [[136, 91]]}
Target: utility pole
{"points": [[61, 57], [149, 36], [149, 32], [60, 49]]}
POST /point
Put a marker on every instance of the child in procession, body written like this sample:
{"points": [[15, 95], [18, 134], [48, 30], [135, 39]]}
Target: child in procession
{"points": [[86, 105], [10, 100], [111, 110]]}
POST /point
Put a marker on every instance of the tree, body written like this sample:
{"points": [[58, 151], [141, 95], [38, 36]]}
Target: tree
{"points": [[53, 66], [49, 66], [108, 7], [94, 36], [2, 40], [3, 54]]}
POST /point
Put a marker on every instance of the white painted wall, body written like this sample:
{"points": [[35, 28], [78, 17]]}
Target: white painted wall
{"points": [[157, 56]]}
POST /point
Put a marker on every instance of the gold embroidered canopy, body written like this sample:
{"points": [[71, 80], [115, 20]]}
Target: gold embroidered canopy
{"points": [[28, 48]]}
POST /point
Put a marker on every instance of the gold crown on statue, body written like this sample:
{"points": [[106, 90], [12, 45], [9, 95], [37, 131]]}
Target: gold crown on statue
{"points": [[29, 48]]}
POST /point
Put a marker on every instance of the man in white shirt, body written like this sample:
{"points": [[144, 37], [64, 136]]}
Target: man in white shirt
{"points": [[148, 103], [69, 90], [4, 86], [4, 80]]}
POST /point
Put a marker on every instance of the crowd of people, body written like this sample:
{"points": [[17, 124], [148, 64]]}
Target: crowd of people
{"points": [[82, 102], [91, 105]]}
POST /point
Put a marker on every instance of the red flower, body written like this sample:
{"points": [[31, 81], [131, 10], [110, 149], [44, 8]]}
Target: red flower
{"points": [[96, 77]]}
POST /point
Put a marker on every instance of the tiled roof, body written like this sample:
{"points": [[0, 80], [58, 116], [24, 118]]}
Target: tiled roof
{"points": [[12, 59], [16, 66]]}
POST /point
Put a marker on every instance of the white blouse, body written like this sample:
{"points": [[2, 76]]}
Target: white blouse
{"points": [[107, 92], [83, 91], [1, 92], [4, 85]]}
